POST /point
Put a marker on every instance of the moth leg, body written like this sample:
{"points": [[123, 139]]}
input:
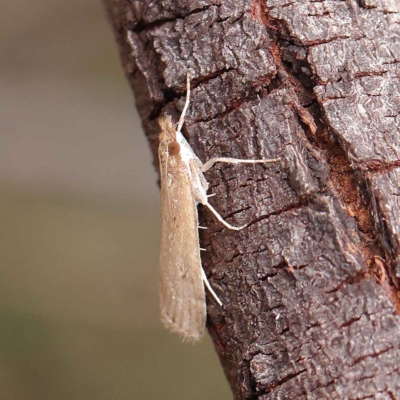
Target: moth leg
{"points": [[195, 166], [200, 186], [206, 166], [211, 290], [182, 117], [214, 211]]}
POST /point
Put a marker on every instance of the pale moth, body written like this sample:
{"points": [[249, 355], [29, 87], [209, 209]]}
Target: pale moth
{"points": [[183, 187]]}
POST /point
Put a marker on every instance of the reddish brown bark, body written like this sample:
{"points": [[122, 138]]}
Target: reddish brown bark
{"points": [[310, 289]]}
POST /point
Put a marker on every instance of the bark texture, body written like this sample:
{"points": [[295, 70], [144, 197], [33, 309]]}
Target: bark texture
{"points": [[311, 288]]}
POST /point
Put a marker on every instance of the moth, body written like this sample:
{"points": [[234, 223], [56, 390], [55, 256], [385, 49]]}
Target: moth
{"points": [[183, 187]]}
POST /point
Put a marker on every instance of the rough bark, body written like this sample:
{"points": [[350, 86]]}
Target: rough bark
{"points": [[311, 288]]}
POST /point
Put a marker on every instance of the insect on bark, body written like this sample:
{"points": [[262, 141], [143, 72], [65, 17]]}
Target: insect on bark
{"points": [[183, 187]]}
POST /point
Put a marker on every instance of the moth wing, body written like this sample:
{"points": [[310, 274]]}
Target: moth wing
{"points": [[182, 293]]}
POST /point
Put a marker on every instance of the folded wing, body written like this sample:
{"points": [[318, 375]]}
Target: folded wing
{"points": [[182, 293]]}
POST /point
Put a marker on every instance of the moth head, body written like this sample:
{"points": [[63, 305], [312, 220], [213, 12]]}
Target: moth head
{"points": [[168, 140], [174, 148]]}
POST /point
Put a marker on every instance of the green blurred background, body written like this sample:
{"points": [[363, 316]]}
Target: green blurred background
{"points": [[79, 211]]}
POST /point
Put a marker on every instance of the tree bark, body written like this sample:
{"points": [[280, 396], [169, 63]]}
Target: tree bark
{"points": [[311, 287]]}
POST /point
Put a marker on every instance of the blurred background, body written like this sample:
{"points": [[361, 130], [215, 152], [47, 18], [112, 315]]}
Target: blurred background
{"points": [[79, 213]]}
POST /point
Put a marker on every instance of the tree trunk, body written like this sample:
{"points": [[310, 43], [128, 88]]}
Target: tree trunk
{"points": [[311, 287]]}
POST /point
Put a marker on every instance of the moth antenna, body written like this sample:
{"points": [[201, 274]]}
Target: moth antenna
{"points": [[182, 118], [211, 290]]}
